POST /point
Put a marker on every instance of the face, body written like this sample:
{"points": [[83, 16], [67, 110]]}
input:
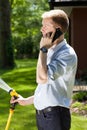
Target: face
{"points": [[48, 26]]}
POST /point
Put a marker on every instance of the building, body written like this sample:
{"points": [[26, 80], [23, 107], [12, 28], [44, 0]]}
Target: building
{"points": [[77, 12]]}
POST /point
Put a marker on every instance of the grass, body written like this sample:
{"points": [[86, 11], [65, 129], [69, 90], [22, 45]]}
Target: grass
{"points": [[22, 79], [79, 123]]}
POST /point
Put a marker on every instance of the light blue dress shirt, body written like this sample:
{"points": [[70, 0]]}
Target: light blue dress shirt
{"points": [[62, 66]]}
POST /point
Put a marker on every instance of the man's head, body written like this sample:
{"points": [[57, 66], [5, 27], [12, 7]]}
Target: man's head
{"points": [[59, 19]]}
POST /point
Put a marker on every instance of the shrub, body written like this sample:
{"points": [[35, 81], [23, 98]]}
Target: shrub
{"points": [[24, 48], [80, 96], [76, 104]]}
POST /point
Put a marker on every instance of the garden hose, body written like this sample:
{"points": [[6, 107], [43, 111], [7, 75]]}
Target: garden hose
{"points": [[12, 107]]}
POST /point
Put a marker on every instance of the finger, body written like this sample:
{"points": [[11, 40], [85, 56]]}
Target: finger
{"points": [[53, 33], [13, 101], [49, 35]]}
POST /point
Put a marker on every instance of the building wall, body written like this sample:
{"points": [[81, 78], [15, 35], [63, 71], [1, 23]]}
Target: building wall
{"points": [[78, 30]]}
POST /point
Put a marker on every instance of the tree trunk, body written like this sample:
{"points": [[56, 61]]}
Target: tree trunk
{"points": [[6, 46]]}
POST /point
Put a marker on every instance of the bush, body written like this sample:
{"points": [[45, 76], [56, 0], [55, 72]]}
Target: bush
{"points": [[76, 104], [80, 96], [24, 48]]}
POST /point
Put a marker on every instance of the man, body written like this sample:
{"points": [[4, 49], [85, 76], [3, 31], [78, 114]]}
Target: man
{"points": [[56, 70]]}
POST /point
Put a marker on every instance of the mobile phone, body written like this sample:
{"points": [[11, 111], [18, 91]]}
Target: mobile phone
{"points": [[58, 33]]}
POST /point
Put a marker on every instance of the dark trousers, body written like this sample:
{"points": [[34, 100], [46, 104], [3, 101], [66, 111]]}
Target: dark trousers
{"points": [[57, 119]]}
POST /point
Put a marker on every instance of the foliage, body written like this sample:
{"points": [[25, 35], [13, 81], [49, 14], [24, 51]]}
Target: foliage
{"points": [[80, 96], [79, 108], [26, 22], [80, 105], [24, 48], [76, 104]]}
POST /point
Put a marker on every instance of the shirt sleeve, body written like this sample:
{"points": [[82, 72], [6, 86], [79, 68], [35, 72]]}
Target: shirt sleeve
{"points": [[60, 65]]}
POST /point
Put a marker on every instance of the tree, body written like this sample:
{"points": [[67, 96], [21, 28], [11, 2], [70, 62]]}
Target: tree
{"points": [[6, 47], [19, 21], [26, 24]]}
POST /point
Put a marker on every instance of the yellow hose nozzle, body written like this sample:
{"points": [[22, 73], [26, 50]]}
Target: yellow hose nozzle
{"points": [[13, 93]]}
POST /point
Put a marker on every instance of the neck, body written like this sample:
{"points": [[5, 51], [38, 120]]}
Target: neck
{"points": [[57, 41]]}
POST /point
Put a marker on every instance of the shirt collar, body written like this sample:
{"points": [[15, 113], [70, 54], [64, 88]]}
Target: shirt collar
{"points": [[57, 47], [53, 49]]}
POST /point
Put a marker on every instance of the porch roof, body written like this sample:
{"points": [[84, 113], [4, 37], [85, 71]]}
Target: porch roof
{"points": [[64, 3]]}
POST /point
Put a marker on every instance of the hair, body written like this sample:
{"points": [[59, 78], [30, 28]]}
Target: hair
{"points": [[59, 17]]}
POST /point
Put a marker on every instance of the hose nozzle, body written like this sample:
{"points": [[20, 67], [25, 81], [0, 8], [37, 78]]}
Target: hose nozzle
{"points": [[14, 94]]}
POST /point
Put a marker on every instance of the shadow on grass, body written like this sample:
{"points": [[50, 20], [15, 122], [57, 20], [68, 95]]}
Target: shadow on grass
{"points": [[21, 77]]}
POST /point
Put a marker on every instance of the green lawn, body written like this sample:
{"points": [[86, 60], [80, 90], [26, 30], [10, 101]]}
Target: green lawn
{"points": [[22, 79], [79, 123]]}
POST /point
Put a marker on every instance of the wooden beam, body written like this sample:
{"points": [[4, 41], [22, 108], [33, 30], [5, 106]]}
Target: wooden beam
{"points": [[53, 4]]}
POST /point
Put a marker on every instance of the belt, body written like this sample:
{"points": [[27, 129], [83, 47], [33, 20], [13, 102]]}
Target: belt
{"points": [[49, 109]]}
